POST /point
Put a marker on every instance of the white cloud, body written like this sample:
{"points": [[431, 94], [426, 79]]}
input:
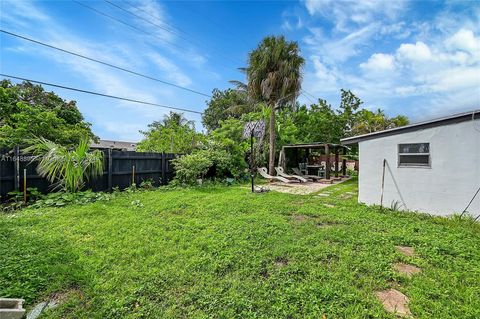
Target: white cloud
{"points": [[334, 50], [463, 40], [379, 62], [292, 20], [349, 13], [417, 52], [171, 70]]}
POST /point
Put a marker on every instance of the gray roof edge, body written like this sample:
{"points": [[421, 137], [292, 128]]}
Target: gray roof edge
{"points": [[451, 119]]}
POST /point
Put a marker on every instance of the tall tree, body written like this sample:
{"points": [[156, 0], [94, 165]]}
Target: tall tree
{"points": [[28, 112], [367, 122], [274, 76], [225, 105], [175, 134]]}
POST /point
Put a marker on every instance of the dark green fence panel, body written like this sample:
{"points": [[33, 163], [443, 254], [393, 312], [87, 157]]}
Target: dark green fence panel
{"points": [[121, 168]]}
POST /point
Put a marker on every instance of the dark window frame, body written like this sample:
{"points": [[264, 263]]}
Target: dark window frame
{"points": [[413, 165]]}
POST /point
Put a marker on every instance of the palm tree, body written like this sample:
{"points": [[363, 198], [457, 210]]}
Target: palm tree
{"points": [[68, 169], [274, 76]]}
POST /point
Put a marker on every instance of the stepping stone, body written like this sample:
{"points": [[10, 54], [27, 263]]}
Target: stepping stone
{"points": [[407, 270], [394, 302], [323, 195], [329, 205], [406, 250]]}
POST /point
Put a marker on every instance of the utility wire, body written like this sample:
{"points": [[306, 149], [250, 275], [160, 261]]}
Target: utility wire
{"points": [[163, 28], [126, 23], [308, 98], [313, 96], [151, 15], [103, 62], [100, 94], [142, 18], [171, 44]]}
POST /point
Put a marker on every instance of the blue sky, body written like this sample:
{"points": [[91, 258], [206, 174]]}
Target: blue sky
{"points": [[418, 58]]}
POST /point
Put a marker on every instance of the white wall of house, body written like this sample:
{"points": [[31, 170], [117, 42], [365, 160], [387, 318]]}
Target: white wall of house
{"points": [[443, 189]]}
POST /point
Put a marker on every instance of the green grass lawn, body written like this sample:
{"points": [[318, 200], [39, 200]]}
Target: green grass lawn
{"points": [[222, 252]]}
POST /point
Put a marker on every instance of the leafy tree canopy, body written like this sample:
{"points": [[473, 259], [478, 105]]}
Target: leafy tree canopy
{"points": [[175, 134], [224, 105], [28, 112]]}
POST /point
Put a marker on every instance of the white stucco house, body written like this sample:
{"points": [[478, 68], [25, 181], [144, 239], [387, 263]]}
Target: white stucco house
{"points": [[431, 167]]}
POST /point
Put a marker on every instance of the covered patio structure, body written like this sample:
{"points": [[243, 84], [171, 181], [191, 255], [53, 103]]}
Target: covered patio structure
{"points": [[315, 157]]}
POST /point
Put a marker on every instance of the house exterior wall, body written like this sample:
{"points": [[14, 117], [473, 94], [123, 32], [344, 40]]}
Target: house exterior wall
{"points": [[442, 189]]}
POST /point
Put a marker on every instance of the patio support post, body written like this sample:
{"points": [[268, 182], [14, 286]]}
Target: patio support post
{"points": [[344, 167], [336, 161], [327, 161]]}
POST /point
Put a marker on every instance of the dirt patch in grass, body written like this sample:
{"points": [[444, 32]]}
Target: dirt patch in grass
{"points": [[407, 270], [300, 218], [327, 224], [329, 205], [281, 262], [406, 250], [394, 301]]}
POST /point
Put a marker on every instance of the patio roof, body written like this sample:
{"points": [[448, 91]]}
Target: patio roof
{"points": [[314, 145]]}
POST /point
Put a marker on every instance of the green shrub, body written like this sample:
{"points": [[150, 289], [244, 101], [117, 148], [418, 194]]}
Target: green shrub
{"points": [[214, 163], [62, 199]]}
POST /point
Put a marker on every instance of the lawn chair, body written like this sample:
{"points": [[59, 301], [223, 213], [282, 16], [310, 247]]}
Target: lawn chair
{"points": [[282, 173], [264, 173], [299, 173]]}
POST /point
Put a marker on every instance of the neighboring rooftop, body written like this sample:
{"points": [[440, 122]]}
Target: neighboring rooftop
{"points": [[452, 119], [116, 145]]}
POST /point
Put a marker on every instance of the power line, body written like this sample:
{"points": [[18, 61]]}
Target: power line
{"points": [[126, 23], [313, 96], [104, 63], [164, 28], [171, 44], [308, 98], [151, 15], [100, 94], [140, 17]]}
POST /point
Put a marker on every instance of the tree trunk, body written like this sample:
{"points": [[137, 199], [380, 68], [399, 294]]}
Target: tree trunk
{"points": [[271, 157]]}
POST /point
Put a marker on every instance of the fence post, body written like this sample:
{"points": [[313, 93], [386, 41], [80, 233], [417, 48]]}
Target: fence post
{"points": [[133, 174], [110, 167], [25, 185], [164, 168], [16, 168]]}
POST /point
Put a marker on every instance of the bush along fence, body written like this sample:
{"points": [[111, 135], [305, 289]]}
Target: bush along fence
{"points": [[121, 170]]}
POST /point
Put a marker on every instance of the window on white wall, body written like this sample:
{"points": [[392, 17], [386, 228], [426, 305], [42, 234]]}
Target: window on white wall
{"points": [[414, 155]]}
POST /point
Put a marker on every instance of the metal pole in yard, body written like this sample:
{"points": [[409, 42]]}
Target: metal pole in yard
{"points": [[251, 161], [383, 182]]}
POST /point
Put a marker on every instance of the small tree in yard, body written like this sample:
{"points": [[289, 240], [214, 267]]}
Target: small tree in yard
{"points": [[67, 168], [274, 77]]}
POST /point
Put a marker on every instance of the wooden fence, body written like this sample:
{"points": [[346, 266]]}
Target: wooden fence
{"points": [[121, 168]]}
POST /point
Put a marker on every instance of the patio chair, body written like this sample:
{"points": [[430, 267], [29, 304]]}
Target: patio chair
{"points": [[299, 173], [264, 173], [303, 168], [282, 173]]}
